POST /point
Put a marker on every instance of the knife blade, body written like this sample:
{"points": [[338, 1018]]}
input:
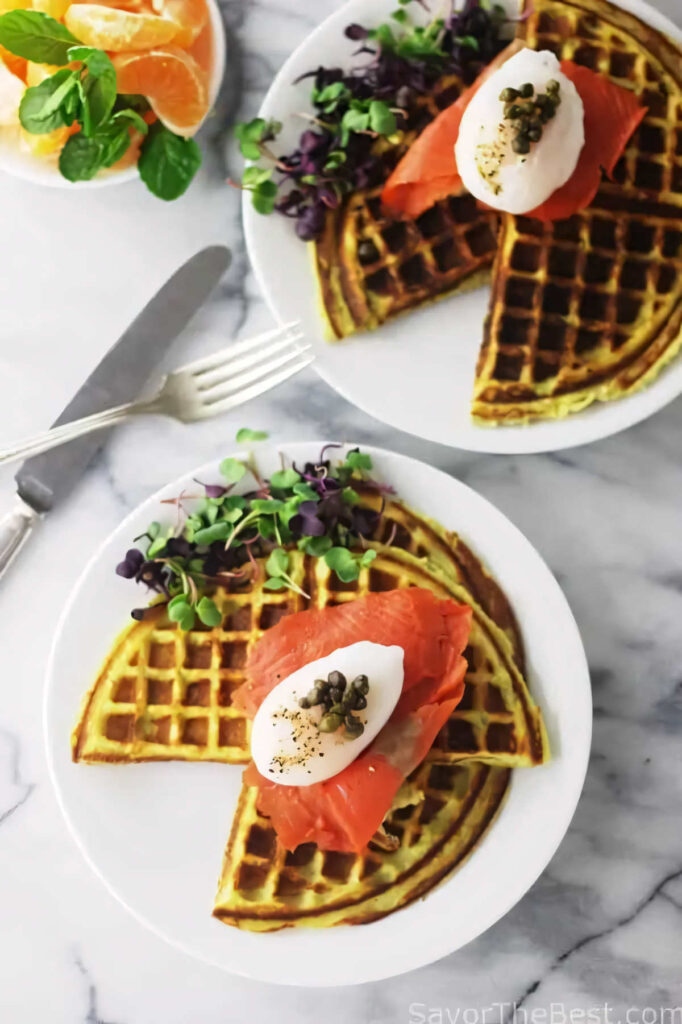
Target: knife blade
{"points": [[45, 480]]}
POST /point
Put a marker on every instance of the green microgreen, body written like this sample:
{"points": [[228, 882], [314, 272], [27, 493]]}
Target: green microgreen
{"points": [[245, 435]]}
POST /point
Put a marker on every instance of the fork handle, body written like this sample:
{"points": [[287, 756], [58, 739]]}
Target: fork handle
{"points": [[70, 431], [15, 528]]}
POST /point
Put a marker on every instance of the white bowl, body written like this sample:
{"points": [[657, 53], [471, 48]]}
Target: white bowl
{"points": [[20, 164]]}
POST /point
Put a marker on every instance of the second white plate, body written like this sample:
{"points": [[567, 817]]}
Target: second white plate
{"points": [[416, 372]]}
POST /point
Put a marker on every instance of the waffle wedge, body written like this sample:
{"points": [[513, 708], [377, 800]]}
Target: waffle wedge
{"points": [[264, 888], [590, 308], [164, 694], [371, 266]]}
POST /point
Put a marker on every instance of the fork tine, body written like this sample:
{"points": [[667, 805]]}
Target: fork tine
{"points": [[237, 349], [221, 390], [259, 388], [207, 379]]}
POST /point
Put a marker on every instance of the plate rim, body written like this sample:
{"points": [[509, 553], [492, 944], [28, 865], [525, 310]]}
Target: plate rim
{"points": [[597, 422], [583, 694]]}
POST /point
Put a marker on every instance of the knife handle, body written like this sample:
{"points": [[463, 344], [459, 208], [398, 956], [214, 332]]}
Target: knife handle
{"points": [[15, 528]]}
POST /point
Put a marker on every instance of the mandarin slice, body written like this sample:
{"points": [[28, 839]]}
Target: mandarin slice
{"points": [[48, 144], [17, 65], [107, 28], [172, 81], [55, 8], [189, 15], [37, 73]]}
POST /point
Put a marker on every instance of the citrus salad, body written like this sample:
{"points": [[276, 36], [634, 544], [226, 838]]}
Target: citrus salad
{"points": [[106, 86]]}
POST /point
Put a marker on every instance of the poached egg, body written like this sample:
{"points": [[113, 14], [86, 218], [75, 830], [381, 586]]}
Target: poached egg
{"points": [[487, 163], [286, 744]]}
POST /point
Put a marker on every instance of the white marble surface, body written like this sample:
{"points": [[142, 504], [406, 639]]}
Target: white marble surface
{"points": [[604, 923]]}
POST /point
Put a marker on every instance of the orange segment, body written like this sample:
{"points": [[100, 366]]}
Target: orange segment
{"points": [[174, 84], [13, 5], [189, 15], [109, 29], [17, 65], [46, 145], [55, 8], [37, 73]]}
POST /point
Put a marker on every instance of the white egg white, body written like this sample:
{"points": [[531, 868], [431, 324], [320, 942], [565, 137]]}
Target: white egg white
{"points": [[486, 162], [286, 744]]}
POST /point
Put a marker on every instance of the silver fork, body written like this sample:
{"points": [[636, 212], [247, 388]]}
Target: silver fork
{"points": [[202, 389]]}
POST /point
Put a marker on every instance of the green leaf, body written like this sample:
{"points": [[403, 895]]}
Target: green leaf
{"points": [[342, 562], [350, 496], [256, 175], [97, 87], [153, 530], [316, 546], [278, 563], [329, 98], [305, 491], [264, 196], [400, 16], [156, 547], [244, 435], [36, 37], [180, 610], [250, 150], [275, 584], [81, 158], [381, 118], [368, 557], [268, 506], [233, 501], [285, 479], [208, 612], [353, 121], [218, 531], [335, 159], [41, 108], [168, 162], [359, 461], [233, 470], [470, 41], [132, 118]]}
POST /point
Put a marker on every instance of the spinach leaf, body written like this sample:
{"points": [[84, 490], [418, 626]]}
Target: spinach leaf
{"points": [[36, 37], [168, 162]]}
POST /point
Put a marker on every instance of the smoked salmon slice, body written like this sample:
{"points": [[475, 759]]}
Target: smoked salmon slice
{"points": [[428, 171], [432, 632], [343, 812]]}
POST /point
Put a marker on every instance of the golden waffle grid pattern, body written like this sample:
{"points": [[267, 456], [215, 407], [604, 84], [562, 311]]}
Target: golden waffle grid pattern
{"points": [[572, 294], [652, 161], [406, 262], [264, 887], [167, 694]]}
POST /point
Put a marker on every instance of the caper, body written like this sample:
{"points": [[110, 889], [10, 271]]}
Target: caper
{"points": [[337, 679], [543, 101], [527, 108], [535, 134], [335, 694], [354, 726], [361, 684], [526, 90], [524, 125], [349, 697], [336, 709], [313, 697], [521, 144], [509, 94], [513, 112], [330, 722], [552, 86], [360, 703], [321, 685], [304, 703]]}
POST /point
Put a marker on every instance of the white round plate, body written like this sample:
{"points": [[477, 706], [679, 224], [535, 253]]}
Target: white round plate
{"points": [[155, 833], [22, 164], [416, 372]]}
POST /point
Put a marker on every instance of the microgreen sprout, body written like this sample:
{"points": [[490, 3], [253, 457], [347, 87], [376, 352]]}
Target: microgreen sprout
{"points": [[360, 116], [219, 538]]}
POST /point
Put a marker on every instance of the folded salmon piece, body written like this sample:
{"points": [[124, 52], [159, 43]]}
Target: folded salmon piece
{"points": [[428, 171], [343, 812], [432, 632]]}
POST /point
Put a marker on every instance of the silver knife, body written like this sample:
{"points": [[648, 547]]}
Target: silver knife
{"points": [[47, 479]]}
